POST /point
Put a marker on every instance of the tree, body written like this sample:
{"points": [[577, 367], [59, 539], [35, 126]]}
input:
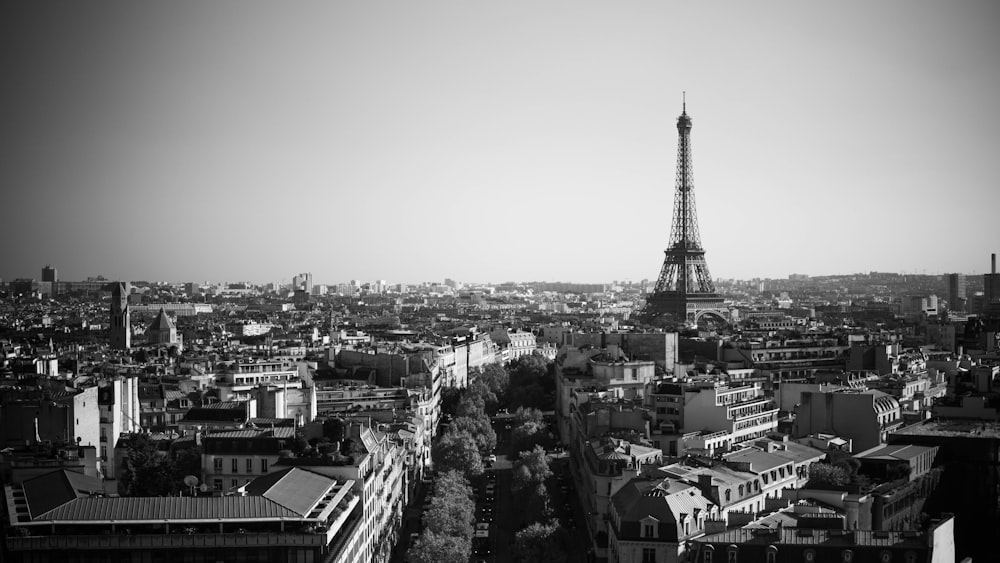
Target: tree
{"points": [[541, 542], [494, 376], [824, 475], [453, 484], [529, 430], [531, 469], [531, 383], [451, 515], [477, 399], [439, 548], [457, 450], [536, 505], [333, 429], [449, 400], [481, 429], [148, 472], [186, 462]]}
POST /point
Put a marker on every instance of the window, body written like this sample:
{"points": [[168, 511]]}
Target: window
{"points": [[648, 555], [741, 490], [249, 465], [772, 554], [216, 484], [847, 556], [217, 464], [729, 493], [263, 466], [707, 554], [236, 466], [731, 554], [235, 483], [809, 555], [648, 531]]}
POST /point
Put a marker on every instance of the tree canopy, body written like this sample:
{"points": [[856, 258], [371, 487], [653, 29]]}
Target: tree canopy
{"points": [[531, 384], [494, 376], [150, 472], [439, 548], [457, 450], [480, 428], [529, 430], [531, 469], [541, 542]]}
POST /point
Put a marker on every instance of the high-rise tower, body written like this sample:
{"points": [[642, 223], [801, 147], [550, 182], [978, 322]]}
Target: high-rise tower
{"points": [[684, 290], [121, 322]]}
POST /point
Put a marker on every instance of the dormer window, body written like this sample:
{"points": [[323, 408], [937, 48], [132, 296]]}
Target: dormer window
{"points": [[649, 528]]}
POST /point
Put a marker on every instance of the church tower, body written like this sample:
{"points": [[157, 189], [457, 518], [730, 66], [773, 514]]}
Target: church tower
{"points": [[121, 323]]}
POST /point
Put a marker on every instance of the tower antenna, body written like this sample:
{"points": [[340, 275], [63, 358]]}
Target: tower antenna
{"points": [[684, 102]]}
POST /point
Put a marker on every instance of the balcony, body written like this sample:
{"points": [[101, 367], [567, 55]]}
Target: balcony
{"points": [[161, 541]]}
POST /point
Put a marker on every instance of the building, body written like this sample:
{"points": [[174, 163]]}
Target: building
{"points": [[651, 521], [36, 416], [956, 292], [723, 416], [120, 413], [162, 332], [969, 454], [907, 476], [291, 516], [231, 459], [797, 545], [606, 466], [120, 332], [866, 417], [514, 343], [377, 469], [303, 282], [50, 281], [991, 284]]}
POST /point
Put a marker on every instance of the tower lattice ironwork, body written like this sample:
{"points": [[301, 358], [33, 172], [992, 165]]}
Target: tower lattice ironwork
{"points": [[684, 289]]}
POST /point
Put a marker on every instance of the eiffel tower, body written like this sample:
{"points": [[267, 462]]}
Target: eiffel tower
{"points": [[684, 291]]}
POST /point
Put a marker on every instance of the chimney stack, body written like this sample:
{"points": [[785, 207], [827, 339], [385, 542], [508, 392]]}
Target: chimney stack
{"points": [[993, 260]]}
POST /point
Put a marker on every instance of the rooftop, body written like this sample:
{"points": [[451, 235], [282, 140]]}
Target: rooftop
{"points": [[964, 428], [809, 536]]}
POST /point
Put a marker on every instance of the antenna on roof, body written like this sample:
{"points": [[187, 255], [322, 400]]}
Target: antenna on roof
{"points": [[684, 103]]}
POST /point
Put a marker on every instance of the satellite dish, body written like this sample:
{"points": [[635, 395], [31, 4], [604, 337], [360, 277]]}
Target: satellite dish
{"points": [[191, 481]]}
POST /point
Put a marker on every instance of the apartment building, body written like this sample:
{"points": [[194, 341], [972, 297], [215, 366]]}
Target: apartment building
{"points": [[231, 459], [866, 417]]}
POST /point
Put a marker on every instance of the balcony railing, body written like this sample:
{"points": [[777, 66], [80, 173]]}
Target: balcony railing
{"points": [[161, 541]]}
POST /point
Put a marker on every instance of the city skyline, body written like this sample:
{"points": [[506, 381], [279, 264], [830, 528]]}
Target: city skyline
{"points": [[523, 142]]}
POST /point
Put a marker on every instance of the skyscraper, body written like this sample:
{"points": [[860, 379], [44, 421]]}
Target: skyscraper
{"points": [[991, 284], [50, 281], [684, 290], [49, 274], [956, 292]]}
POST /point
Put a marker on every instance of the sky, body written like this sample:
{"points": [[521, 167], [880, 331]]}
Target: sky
{"points": [[495, 141]]}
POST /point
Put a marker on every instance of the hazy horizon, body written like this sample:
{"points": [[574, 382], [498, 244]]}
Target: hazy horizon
{"points": [[189, 141]]}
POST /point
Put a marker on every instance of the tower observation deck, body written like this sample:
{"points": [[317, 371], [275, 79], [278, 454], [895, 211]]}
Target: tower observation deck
{"points": [[684, 291]]}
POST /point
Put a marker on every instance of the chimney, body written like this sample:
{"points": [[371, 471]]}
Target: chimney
{"points": [[705, 483], [993, 261]]}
